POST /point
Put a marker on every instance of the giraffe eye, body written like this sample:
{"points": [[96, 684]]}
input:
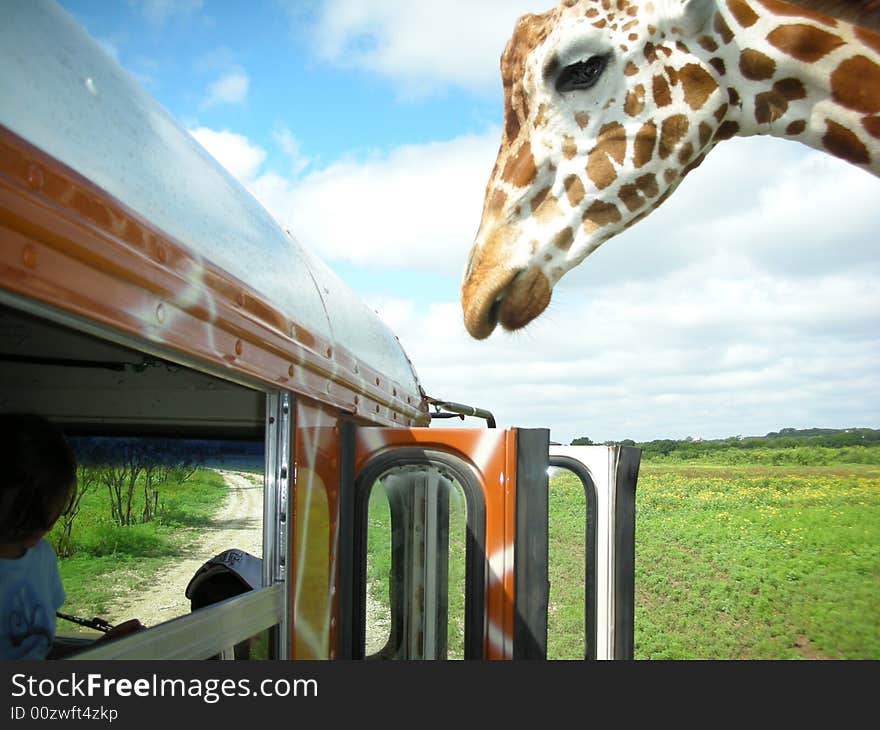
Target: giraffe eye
{"points": [[581, 75]]}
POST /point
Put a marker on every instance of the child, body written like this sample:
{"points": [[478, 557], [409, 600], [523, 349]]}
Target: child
{"points": [[37, 484]]}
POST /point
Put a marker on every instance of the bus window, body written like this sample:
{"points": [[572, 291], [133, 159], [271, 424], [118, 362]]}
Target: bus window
{"points": [[570, 550], [170, 473], [420, 592]]}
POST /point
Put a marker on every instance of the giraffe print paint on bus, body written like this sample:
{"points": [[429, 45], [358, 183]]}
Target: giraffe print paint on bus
{"points": [[609, 104]]}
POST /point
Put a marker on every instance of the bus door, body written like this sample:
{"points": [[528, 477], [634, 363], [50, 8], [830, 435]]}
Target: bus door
{"points": [[447, 551]]}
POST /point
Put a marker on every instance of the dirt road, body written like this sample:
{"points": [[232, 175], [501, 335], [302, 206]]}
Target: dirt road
{"points": [[238, 524]]}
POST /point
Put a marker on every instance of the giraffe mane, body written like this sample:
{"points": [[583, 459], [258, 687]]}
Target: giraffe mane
{"points": [[865, 13]]}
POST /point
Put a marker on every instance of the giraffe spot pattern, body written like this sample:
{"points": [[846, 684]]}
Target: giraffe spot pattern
{"points": [[599, 215], [742, 13], [842, 142], [520, 169], [661, 92], [569, 147], [795, 128], [635, 100], [726, 130], [643, 144], [804, 42], [698, 85], [769, 106], [582, 119], [563, 239], [631, 196], [708, 43], [718, 65], [722, 29], [672, 130], [733, 97], [790, 89], [685, 153], [610, 145], [631, 69], [648, 185], [855, 84], [755, 65], [872, 126], [705, 132], [574, 190], [539, 198]]}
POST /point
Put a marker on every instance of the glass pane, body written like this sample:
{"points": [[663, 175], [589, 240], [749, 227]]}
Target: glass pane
{"points": [[567, 550], [416, 565]]}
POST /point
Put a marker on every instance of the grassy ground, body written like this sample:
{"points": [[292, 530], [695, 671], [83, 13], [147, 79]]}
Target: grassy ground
{"points": [[736, 562], [110, 560]]}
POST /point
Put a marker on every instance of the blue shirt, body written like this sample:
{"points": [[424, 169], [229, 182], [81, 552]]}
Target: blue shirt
{"points": [[30, 594]]}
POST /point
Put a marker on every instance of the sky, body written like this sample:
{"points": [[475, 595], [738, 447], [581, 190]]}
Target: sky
{"points": [[747, 303]]}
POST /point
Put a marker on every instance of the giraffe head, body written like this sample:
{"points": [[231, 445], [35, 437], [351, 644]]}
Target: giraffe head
{"points": [[607, 108]]}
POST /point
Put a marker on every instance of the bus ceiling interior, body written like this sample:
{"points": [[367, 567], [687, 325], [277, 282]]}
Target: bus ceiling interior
{"points": [[95, 387]]}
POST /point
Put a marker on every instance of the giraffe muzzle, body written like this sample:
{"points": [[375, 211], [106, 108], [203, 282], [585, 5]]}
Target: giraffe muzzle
{"points": [[511, 299]]}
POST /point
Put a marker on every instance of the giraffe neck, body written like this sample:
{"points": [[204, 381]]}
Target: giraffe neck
{"points": [[794, 73]]}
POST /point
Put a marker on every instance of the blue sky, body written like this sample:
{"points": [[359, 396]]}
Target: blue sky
{"points": [[747, 303]]}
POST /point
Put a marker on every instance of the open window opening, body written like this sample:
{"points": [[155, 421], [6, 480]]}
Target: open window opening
{"points": [[168, 516], [419, 550]]}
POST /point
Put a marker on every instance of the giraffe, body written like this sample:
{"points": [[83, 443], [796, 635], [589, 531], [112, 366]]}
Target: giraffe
{"points": [[608, 104]]}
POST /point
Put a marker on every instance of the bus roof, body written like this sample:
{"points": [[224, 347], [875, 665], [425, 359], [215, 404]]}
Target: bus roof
{"points": [[64, 95]]}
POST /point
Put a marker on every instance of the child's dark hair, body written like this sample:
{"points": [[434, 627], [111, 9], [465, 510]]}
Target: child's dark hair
{"points": [[37, 475]]}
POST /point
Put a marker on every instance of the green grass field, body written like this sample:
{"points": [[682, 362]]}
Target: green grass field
{"points": [[736, 562]]}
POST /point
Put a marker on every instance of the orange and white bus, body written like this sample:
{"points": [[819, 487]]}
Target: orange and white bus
{"points": [[124, 245]]}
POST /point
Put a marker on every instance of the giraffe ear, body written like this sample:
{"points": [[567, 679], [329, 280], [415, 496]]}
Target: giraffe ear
{"points": [[689, 17]]}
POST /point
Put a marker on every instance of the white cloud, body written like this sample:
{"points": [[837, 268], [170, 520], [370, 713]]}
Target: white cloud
{"points": [[234, 151], [420, 43], [230, 88]]}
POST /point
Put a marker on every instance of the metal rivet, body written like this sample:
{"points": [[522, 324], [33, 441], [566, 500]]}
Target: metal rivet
{"points": [[160, 313], [29, 256], [35, 177]]}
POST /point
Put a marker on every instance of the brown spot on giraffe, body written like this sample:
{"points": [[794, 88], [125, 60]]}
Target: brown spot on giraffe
{"points": [[563, 239], [705, 132], [610, 144], [790, 89], [582, 119], [648, 185], [788, 9], [685, 153], [635, 101], [742, 13], [855, 84], [718, 65], [804, 42], [569, 147], [631, 69], [670, 176], [538, 198], [574, 190], [546, 208], [726, 130], [698, 85], [643, 144], [720, 113], [842, 142], [671, 132], [795, 128], [599, 215], [541, 116], [755, 65], [708, 43], [769, 106], [722, 29], [661, 92], [520, 169], [733, 97], [495, 203], [631, 196], [650, 52], [872, 126]]}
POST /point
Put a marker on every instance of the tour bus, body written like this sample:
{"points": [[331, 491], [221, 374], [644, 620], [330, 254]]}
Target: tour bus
{"points": [[145, 292]]}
